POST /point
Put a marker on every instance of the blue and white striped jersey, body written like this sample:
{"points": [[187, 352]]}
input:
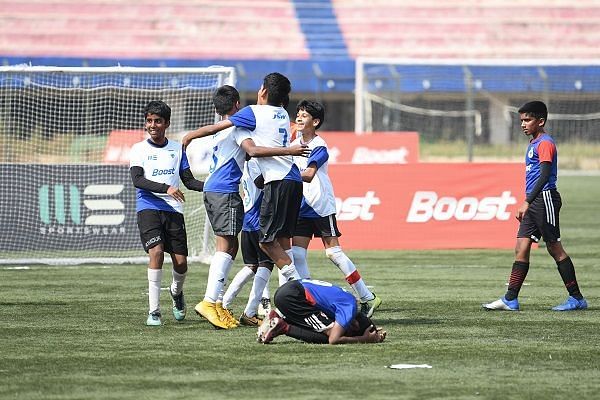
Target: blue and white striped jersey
{"points": [[270, 127], [228, 158], [318, 199], [161, 164], [252, 196]]}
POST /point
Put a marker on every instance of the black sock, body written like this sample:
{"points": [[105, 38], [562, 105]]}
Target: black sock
{"points": [[517, 277], [307, 335], [567, 273]]}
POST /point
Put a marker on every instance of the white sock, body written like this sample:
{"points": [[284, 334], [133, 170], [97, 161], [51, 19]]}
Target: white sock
{"points": [[300, 261], [217, 275], [288, 272], [154, 279], [178, 280], [341, 260], [261, 280], [237, 283], [266, 294]]}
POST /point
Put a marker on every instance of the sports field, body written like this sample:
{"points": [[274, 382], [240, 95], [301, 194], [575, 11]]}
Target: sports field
{"points": [[79, 333]]}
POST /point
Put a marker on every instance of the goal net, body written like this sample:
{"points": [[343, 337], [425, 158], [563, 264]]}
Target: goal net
{"points": [[65, 136], [476, 100]]}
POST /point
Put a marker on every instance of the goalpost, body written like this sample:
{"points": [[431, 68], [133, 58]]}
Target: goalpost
{"points": [[65, 135], [476, 100]]}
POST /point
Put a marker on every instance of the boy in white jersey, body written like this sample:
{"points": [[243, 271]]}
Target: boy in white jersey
{"points": [[269, 124], [156, 166], [317, 213], [222, 199]]}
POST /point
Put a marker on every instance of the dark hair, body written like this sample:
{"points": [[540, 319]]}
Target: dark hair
{"points": [[278, 89], [159, 108], [314, 108], [363, 323], [225, 98], [536, 109]]}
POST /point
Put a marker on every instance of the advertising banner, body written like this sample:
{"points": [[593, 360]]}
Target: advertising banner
{"points": [[68, 207], [427, 206], [372, 148]]}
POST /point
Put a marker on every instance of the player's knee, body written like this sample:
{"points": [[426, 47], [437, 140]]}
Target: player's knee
{"points": [[333, 252]]}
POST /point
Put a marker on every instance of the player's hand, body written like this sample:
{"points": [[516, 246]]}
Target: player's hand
{"points": [[522, 210], [176, 194], [372, 335], [185, 142], [299, 150]]}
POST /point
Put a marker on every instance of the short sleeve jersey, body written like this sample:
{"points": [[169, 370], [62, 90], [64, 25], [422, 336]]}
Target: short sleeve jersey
{"points": [[270, 127], [542, 149], [334, 301], [228, 158], [161, 164], [252, 196], [318, 199]]}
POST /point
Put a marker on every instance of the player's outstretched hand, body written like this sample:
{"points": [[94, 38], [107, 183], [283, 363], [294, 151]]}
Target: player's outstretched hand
{"points": [[299, 150], [176, 194], [187, 139]]}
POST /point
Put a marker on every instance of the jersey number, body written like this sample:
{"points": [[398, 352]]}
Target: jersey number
{"points": [[284, 132]]}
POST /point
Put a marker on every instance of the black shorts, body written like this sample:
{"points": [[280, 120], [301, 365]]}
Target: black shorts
{"points": [[225, 212], [251, 251], [290, 300], [163, 227], [279, 209], [541, 218], [317, 227]]}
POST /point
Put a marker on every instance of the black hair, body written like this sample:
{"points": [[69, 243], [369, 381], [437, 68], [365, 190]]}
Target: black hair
{"points": [[536, 109], [159, 108], [278, 89], [363, 323], [314, 108], [224, 99]]}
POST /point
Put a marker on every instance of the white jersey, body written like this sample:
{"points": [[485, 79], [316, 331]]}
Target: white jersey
{"points": [[318, 199], [270, 127], [228, 158], [161, 164], [252, 196]]}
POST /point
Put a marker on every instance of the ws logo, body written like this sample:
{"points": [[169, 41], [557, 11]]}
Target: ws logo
{"points": [[94, 199]]}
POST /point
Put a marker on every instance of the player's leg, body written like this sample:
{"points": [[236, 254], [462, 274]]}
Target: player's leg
{"points": [[278, 215], [302, 236], [261, 278], [550, 227], [176, 245], [150, 227]]}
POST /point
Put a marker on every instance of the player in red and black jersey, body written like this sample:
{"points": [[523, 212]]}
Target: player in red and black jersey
{"points": [[539, 214]]}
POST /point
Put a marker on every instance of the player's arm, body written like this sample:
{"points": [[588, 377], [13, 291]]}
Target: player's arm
{"points": [[546, 151], [309, 172], [253, 150], [187, 177], [141, 182], [204, 131], [370, 335], [318, 157]]}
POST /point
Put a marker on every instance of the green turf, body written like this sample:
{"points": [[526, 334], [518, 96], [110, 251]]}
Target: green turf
{"points": [[78, 332]]}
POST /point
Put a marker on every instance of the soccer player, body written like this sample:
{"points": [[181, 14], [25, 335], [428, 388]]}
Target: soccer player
{"points": [[257, 264], [539, 214], [317, 213], [221, 196], [269, 123], [318, 312], [156, 166]]}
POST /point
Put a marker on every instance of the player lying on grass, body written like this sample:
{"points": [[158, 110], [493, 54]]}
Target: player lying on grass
{"points": [[318, 312]]}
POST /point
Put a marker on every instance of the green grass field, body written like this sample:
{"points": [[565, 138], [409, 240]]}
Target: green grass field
{"points": [[79, 333]]}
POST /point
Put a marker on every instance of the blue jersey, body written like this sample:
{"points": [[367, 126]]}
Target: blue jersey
{"points": [[161, 164], [318, 199], [228, 157], [252, 196], [270, 127], [334, 301], [541, 149]]}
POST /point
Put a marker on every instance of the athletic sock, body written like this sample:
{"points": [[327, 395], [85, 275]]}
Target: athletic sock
{"points": [[341, 260], [566, 269], [266, 294], [237, 283], [517, 277], [300, 261], [154, 279], [217, 275], [261, 280], [178, 280], [288, 272], [306, 335]]}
